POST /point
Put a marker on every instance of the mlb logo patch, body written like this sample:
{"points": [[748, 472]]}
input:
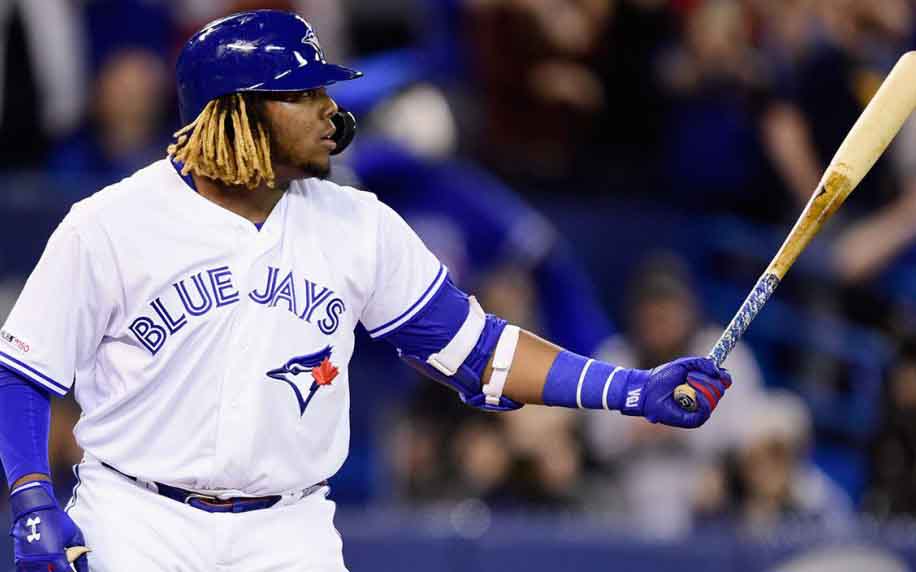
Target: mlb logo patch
{"points": [[12, 340]]}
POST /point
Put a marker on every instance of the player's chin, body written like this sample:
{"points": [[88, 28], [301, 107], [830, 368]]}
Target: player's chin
{"points": [[318, 168]]}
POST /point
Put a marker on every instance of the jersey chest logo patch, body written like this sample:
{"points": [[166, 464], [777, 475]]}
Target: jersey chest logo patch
{"points": [[318, 365]]}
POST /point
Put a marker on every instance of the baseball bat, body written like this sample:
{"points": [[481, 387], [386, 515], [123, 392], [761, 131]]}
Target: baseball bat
{"points": [[866, 141]]}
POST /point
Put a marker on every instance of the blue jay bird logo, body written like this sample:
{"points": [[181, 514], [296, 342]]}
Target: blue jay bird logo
{"points": [[318, 364], [311, 39]]}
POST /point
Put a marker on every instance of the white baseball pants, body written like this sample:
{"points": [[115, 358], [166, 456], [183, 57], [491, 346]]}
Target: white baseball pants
{"points": [[128, 527]]}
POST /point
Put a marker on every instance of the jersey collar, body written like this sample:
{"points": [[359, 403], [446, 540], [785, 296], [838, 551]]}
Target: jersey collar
{"points": [[188, 179]]}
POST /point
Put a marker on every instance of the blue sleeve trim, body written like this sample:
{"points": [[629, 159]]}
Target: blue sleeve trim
{"points": [[434, 326], [428, 295], [33, 374]]}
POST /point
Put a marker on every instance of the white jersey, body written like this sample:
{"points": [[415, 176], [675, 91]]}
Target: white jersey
{"points": [[205, 353]]}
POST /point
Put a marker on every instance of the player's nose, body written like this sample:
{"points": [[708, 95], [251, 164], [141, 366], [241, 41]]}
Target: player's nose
{"points": [[329, 106]]}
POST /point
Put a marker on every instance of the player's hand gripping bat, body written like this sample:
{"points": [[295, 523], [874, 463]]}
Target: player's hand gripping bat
{"points": [[869, 136]]}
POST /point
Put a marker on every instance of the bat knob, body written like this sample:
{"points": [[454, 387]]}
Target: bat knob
{"points": [[686, 397], [75, 552]]}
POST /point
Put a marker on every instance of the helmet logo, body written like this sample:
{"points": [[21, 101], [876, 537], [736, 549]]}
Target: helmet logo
{"points": [[311, 39]]}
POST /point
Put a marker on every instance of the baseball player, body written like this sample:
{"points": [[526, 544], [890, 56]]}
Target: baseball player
{"points": [[203, 310]]}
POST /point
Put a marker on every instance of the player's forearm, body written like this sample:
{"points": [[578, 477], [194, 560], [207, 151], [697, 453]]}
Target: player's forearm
{"points": [[540, 372], [533, 358]]}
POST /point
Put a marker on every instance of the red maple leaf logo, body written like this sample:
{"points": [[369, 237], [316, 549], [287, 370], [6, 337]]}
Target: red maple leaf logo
{"points": [[324, 373]]}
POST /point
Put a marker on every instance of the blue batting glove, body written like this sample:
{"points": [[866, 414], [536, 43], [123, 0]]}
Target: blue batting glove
{"points": [[42, 531], [649, 393]]}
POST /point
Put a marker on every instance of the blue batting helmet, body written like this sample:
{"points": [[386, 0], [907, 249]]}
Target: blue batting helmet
{"points": [[262, 50]]}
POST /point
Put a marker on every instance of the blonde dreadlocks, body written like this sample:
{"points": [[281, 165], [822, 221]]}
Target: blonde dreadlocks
{"points": [[226, 143]]}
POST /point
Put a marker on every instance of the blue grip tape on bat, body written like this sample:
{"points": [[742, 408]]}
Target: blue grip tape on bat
{"points": [[684, 394]]}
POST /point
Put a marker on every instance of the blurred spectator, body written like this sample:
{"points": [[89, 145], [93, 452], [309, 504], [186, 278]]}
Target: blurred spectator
{"points": [[893, 450], [868, 246], [719, 122], [880, 245], [770, 477], [647, 469], [43, 75], [126, 128], [856, 46], [529, 459], [628, 134], [127, 123], [538, 95], [549, 458], [120, 25], [327, 16]]}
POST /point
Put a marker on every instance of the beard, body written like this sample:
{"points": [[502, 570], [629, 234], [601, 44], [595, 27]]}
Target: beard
{"points": [[316, 170], [284, 161]]}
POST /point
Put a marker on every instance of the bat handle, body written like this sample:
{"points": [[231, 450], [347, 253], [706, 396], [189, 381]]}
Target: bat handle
{"points": [[685, 395]]}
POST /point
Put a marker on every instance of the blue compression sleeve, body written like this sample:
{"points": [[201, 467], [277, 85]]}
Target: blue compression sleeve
{"points": [[25, 421]]}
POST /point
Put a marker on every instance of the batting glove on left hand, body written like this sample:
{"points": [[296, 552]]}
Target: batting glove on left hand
{"points": [[42, 532], [649, 393]]}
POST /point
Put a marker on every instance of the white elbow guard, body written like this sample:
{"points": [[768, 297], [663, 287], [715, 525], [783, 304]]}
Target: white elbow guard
{"points": [[502, 363]]}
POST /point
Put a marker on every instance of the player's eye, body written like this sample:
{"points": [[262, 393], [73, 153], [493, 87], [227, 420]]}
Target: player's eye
{"points": [[293, 96]]}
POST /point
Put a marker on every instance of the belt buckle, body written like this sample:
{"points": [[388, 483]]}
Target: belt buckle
{"points": [[205, 498]]}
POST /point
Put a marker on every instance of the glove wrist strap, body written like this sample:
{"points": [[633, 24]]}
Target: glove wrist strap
{"points": [[31, 497]]}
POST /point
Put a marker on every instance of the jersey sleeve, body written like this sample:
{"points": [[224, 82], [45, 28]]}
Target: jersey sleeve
{"points": [[59, 319], [407, 275]]}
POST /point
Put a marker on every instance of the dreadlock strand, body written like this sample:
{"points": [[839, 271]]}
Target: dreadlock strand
{"points": [[241, 174], [193, 150], [264, 143], [221, 159], [251, 151], [211, 142], [232, 169]]}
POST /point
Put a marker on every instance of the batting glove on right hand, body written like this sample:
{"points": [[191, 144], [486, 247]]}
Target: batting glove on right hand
{"points": [[42, 532], [656, 401]]}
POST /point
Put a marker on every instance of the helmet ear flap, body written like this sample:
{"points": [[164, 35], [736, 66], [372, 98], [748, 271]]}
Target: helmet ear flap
{"points": [[345, 125]]}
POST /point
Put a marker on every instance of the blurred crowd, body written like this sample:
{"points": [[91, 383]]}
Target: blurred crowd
{"points": [[499, 128]]}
